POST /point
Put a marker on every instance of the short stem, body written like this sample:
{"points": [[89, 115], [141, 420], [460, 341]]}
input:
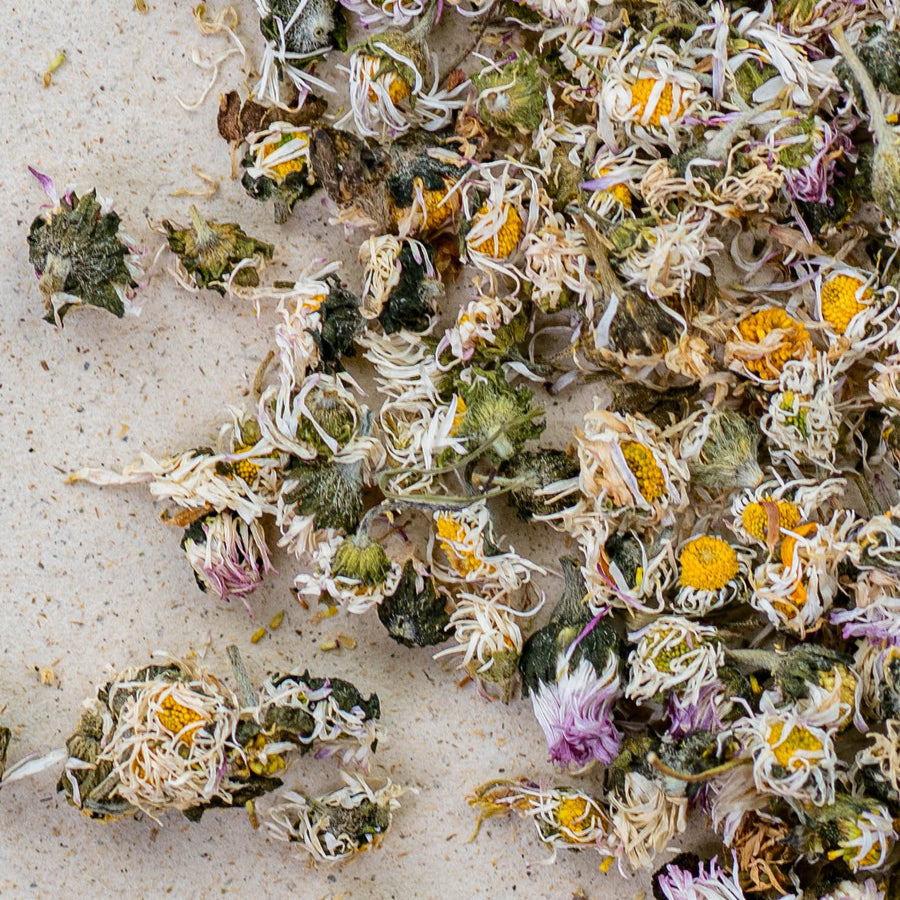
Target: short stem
{"points": [[654, 761]]}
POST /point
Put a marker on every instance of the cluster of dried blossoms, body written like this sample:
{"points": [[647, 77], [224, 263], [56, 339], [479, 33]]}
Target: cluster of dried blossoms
{"points": [[174, 736], [695, 209]]}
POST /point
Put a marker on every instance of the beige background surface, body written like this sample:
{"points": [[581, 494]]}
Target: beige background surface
{"points": [[90, 577]]}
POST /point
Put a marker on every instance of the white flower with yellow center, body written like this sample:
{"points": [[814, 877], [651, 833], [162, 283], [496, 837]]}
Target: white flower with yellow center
{"points": [[766, 513], [627, 467], [461, 551], [645, 93], [171, 739], [793, 754], [797, 589], [802, 421], [712, 573], [580, 50], [386, 102], [279, 151], [614, 182], [672, 654], [565, 817], [500, 205]]}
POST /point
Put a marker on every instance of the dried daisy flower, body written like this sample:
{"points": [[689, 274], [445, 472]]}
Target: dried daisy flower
{"points": [[228, 555], [541, 482], [627, 466], [645, 818], [216, 256], [793, 755], [510, 97], [677, 882], [764, 342], [499, 207], [400, 283], [841, 294], [802, 421], [858, 831], [570, 668], [556, 267], [797, 590], [712, 574], [326, 715], [469, 555], [297, 33], [155, 738], [721, 451], [337, 825], [565, 818], [480, 324], [627, 570], [391, 69], [672, 654], [79, 256], [487, 632], [645, 93], [278, 167]]}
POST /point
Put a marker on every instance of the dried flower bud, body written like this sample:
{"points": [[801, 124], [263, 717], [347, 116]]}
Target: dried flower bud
{"points": [[537, 469], [497, 413], [511, 97], [415, 615], [362, 559], [79, 258], [311, 29], [330, 492], [727, 458], [211, 252]]}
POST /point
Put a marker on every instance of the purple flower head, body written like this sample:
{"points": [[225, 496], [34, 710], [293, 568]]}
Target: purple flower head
{"points": [[711, 883], [810, 183], [878, 623], [575, 712], [688, 715]]}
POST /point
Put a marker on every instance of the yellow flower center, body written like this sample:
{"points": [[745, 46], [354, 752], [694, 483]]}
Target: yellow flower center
{"points": [[756, 516], [572, 813], [458, 418], [173, 717], [650, 479], [243, 468], [797, 739], [464, 561], [708, 564], [397, 88], [839, 303], [502, 244], [619, 191], [663, 658], [794, 344], [640, 97], [298, 164]]}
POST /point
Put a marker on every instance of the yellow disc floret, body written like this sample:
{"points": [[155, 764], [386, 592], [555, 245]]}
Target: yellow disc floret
{"points": [[459, 416], [243, 468], [297, 164], [572, 813], [508, 234], [650, 479], [755, 517], [174, 717], [794, 751], [464, 561], [708, 564], [640, 97], [663, 658], [839, 300], [795, 342], [619, 191]]}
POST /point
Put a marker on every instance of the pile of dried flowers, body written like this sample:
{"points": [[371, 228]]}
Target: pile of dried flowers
{"points": [[694, 210]]}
